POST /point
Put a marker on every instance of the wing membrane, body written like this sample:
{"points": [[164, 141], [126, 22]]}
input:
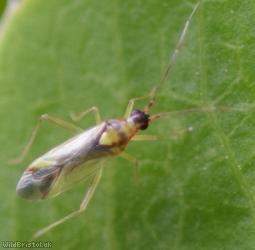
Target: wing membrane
{"points": [[70, 177], [64, 166]]}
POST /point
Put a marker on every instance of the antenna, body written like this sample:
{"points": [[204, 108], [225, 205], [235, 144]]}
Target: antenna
{"points": [[156, 89]]}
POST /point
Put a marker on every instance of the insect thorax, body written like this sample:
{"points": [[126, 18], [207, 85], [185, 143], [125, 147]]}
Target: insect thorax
{"points": [[117, 134]]}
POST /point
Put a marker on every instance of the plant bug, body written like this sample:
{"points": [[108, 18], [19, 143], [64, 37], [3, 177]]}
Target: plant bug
{"points": [[82, 155]]}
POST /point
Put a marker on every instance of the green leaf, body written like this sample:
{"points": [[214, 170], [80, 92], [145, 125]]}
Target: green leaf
{"points": [[3, 5], [196, 190]]}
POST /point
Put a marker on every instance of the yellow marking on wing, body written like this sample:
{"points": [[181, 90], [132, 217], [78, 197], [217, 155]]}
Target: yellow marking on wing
{"points": [[109, 137], [41, 163], [70, 177]]}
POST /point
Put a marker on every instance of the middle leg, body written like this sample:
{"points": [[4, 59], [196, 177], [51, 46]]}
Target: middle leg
{"points": [[93, 110], [134, 161], [48, 118]]}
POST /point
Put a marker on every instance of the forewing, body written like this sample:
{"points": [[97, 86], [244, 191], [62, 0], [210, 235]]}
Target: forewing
{"points": [[63, 166], [70, 177]]}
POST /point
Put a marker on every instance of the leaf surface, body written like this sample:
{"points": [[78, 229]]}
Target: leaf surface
{"points": [[196, 190]]}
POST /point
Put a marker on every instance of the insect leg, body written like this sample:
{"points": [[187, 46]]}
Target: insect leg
{"points": [[83, 206], [133, 160], [44, 117], [161, 136], [95, 111], [132, 102], [145, 138]]}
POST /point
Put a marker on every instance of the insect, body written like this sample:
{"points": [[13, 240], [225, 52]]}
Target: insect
{"points": [[82, 155]]}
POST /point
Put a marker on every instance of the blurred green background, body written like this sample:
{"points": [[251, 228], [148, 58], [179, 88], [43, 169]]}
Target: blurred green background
{"points": [[3, 6], [196, 191]]}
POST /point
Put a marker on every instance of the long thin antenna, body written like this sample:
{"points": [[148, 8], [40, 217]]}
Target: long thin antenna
{"points": [[155, 91], [195, 110]]}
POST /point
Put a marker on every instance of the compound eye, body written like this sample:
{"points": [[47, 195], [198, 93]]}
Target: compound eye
{"points": [[144, 126]]}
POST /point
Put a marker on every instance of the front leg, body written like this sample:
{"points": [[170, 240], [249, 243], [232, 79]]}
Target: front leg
{"points": [[131, 104], [174, 133]]}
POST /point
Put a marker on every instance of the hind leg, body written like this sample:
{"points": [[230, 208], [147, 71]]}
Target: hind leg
{"points": [[48, 118], [89, 194]]}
